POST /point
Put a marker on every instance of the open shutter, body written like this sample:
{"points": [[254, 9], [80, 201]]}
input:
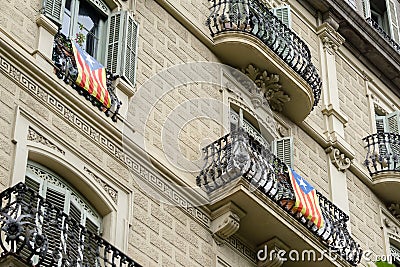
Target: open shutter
{"points": [[366, 9], [53, 9], [122, 45], [393, 125], [393, 20], [381, 127], [393, 121], [283, 149], [283, 13], [282, 46]]}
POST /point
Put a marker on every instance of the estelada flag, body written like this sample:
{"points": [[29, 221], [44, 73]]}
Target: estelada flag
{"points": [[306, 199], [91, 75]]}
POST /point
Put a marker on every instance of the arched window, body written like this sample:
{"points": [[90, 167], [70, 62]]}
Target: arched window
{"points": [[61, 195], [52, 187]]}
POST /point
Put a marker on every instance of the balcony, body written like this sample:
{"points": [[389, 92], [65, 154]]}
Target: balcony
{"points": [[236, 160], [383, 164], [66, 69], [36, 233], [384, 34], [248, 28]]}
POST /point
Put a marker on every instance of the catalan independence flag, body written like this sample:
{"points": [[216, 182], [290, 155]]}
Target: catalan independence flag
{"points": [[306, 199], [91, 75]]}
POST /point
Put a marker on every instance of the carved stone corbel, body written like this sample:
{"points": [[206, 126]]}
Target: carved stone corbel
{"points": [[268, 90], [268, 254], [339, 159], [225, 222], [331, 39]]}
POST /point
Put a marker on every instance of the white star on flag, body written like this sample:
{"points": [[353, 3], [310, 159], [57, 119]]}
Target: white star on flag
{"points": [[302, 183], [90, 60]]}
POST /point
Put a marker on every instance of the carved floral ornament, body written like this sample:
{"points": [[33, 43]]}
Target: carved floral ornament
{"points": [[267, 91], [339, 159]]}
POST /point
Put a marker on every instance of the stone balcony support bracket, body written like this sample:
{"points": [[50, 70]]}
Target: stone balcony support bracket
{"points": [[226, 221]]}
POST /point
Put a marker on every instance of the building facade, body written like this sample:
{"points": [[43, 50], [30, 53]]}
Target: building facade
{"points": [[180, 153]]}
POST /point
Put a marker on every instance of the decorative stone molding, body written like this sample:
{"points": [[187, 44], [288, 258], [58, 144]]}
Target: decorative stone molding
{"points": [[36, 137], [339, 159], [270, 256], [225, 222], [110, 191], [99, 138], [234, 242], [268, 90], [331, 39]]}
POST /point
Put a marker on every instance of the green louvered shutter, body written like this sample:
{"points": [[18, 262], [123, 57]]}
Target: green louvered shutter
{"points": [[54, 9], [283, 149], [393, 20], [122, 45], [283, 13]]}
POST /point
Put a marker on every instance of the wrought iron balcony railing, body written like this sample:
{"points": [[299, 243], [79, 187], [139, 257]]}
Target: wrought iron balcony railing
{"points": [[66, 69], [253, 17], [37, 233], [384, 34], [238, 155], [383, 152]]}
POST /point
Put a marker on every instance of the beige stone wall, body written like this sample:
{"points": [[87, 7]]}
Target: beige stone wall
{"points": [[8, 97], [354, 103], [365, 216], [160, 234], [18, 18]]}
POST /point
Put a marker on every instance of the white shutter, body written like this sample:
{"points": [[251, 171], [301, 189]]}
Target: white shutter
{"points": [[283, 149], [393, 121], [380, 122], [366, 9], [54, 9], [122, 45], [393, 126], [393, 20], [381, 127], [283, 13]]}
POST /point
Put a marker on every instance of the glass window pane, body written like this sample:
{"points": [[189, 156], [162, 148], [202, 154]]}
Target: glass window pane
{"points": [[88, 28], [65, 27]]}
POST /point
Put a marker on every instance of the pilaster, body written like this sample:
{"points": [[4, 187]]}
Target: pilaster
{"points": [[335, 119]]}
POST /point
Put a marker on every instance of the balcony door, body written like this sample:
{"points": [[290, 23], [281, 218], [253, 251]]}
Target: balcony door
{"points": [[64, 198]]}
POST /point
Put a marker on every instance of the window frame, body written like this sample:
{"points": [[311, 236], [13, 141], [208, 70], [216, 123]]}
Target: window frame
{"points": [[100, 51], [71, 195]]}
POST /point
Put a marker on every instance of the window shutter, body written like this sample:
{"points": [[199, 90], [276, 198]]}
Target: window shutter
{"points": [[393, 20], [366, 9], [393, 125], [380, 122], [393, 121], [381, 127], [283, 13], [283, 149], [122, 45], [53, 9]]}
